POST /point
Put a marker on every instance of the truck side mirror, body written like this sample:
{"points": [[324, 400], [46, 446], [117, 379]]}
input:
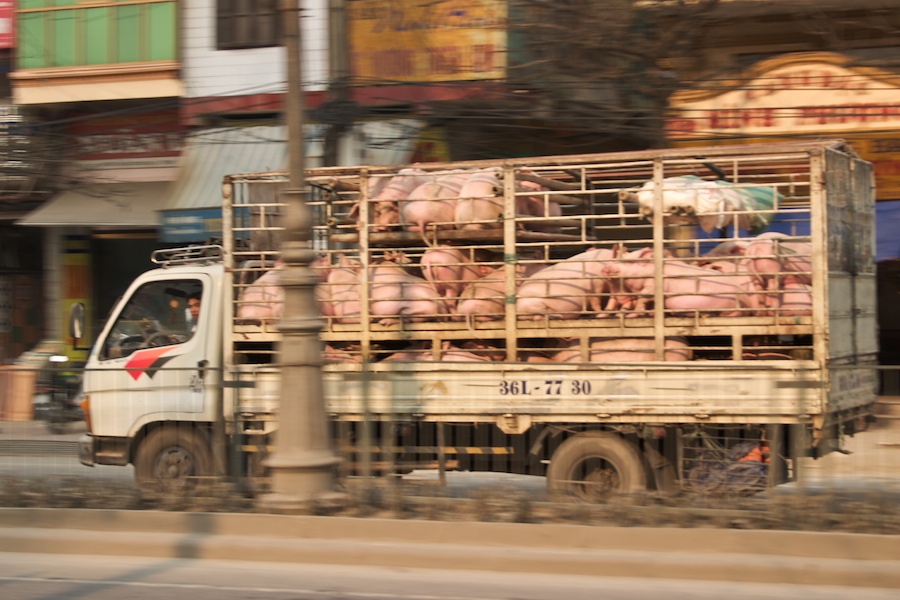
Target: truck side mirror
{"points": [[76, 321], [76, 324]]}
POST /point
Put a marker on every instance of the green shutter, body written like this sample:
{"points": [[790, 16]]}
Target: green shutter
{"points": [[100, 33], [128, 29], [162, 31], [63, 38], [96, 31], [31, 45]]}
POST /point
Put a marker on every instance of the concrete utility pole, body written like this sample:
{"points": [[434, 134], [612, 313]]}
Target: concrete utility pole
{"points": [[338, 71], [303, 460]]}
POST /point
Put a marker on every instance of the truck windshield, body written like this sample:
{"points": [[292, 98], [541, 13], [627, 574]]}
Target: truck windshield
{"points": [[157, 314]]}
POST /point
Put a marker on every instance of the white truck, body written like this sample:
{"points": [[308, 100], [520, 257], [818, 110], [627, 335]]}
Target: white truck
{"points": [[690, 319]]}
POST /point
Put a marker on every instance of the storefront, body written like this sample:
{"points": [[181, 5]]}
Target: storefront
{"points": [[97, 235]]}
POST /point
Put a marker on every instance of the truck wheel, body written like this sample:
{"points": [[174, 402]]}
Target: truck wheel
{"points": [[172, 459], [593, 466]]}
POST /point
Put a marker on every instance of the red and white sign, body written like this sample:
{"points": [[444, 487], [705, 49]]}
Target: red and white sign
{"points": [[7, 24], [798, 94]]}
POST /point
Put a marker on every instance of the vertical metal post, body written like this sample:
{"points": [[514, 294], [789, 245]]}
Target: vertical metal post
{"points": [[303, 461], [337, 76]]}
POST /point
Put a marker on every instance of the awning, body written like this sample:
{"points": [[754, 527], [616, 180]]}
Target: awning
{"points": [[131, 204], [211, 154]]}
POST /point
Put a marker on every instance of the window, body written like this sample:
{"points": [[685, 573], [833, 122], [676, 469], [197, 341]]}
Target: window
{"points": [[247, 24], [161, 313], [66, 33]]}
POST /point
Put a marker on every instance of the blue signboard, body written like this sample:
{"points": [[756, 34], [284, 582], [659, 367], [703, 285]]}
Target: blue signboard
{"points": [[194, 225]]}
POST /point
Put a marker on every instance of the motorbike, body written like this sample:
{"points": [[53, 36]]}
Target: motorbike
{"points": [[58, 395]]}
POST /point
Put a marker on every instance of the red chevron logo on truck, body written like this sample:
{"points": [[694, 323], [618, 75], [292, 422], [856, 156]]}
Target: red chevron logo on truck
{"points": [[147, 361]]}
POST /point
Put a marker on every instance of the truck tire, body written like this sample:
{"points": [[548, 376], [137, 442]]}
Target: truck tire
{"points": [[172, 459], [594, 466]]}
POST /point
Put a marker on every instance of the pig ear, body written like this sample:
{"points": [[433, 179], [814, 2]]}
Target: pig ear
{"points": [[343, 261]]}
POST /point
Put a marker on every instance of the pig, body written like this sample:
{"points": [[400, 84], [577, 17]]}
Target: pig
{"points": [[775, 257], [341, 288], [450, 270], [737, 272], [795, 299], [484, 298], [397, 295], [537, 205], [447, 353], [728, 250], [433, 204], [610, 350], [262, 299], [687, 288], [567, 289], [333, 353], [385, 209], [480, 203]]}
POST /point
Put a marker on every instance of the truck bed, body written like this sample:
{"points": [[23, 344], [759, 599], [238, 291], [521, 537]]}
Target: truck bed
{"points": [[744, 365]]}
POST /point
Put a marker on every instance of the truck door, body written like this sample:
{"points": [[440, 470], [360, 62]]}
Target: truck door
{"points": [[155, 359]]}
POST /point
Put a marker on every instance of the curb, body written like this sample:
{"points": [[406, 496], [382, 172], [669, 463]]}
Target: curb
{"points": [[751, 556]]}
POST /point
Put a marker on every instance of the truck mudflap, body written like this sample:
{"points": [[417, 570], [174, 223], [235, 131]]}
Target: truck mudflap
{"points": [[86, 450]]}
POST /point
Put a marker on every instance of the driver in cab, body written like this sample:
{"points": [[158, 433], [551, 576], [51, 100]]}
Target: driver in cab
{"points": [[193, 304], [158, 314]]}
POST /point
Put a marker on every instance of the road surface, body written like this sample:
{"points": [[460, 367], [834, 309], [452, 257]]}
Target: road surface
{"points": [[38, 577]]}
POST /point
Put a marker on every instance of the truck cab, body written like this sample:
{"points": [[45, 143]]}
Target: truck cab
{"points": [[152, 380]]}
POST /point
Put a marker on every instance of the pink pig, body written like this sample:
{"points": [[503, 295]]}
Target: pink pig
{"points": [[396, 295], [774, 256], [447, 353], [480, 203], [450, 270], [609, 350], [262, 299], [796, 299], [385, 211], [687, 288], [433, 204], [567, 289], [484, 298], [341, 288]]}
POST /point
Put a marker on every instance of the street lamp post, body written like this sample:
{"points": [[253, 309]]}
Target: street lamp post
{"points": [[302, 462]]}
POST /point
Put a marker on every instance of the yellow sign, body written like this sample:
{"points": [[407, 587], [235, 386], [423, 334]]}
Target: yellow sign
{"points": [[401, 41], [818, 93], [800, 95]]}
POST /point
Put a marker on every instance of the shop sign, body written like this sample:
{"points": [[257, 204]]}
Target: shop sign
{"points": [[810, 93], [7, 25], [195, 225], [144, 140], [801, 94], [415, 41]]}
